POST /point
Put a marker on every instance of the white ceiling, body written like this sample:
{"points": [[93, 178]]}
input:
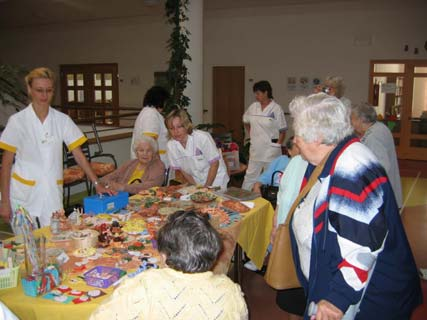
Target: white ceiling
{"points": [[25, 13]]}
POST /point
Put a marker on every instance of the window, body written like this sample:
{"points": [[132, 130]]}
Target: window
{"points": [[89, 92]]}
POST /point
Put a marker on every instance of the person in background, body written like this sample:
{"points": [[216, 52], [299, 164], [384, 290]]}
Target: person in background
{"points": [[266, 126], [334, 86], [194, 152], [350, 249], [32, 164], [185, 288], [150, 121], [144, 172], [278, 164], [378, 138]]}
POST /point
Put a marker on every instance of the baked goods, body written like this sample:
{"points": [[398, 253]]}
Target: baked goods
{"points": [[166, 211], [202, 196], [235, 206]]}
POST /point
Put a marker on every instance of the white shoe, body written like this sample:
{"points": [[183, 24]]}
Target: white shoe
{"points": [[250, 266]]}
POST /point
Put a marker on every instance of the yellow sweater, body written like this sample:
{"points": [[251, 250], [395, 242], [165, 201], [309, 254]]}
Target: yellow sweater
{"points": [[168, 294]]}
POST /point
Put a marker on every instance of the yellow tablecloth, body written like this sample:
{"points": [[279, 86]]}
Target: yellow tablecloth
{"points": [[252, 233]]}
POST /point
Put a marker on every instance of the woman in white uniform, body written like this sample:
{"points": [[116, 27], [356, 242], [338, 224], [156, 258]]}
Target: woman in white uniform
{"points": [[194, 152], [150, 121], [32, 161], [265, 123]]}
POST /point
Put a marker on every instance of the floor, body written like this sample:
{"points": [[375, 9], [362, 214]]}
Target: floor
{"points": [[261, 298]]}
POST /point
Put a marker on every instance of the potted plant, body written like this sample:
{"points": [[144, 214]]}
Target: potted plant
{"points": [[13, 94]]}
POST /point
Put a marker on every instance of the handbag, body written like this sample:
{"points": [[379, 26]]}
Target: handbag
{"points": [[281, 273], [269, 192]]}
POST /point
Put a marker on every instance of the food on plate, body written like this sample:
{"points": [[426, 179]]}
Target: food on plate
{"points": [[217, 214], [148, 212], [134, 226], [168, 210], [202, 196], [235, 206], [84, 252]]}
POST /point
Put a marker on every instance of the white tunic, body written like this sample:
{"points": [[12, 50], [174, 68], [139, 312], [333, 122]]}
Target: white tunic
{"points": [[37, 174], [265, 125], [151, 123], [196, 158]]}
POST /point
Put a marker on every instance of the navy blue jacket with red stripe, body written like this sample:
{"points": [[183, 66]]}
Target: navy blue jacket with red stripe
{"points": [[359, 240]]}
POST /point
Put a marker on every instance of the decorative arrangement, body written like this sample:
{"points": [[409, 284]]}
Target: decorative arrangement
{"points": [[178, 46]]}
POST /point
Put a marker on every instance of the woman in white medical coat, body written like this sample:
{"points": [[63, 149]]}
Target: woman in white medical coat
{"points": [[32, 161], [194, 152], [150, 121], [265, 123]]}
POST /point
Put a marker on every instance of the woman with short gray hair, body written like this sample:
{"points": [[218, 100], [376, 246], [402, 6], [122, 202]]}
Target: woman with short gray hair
{"points": [[349, 246], [378, 138]]}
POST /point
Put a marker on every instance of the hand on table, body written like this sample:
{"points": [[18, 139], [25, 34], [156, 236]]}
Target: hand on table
{"points": [[327, 311], [102, 189]]}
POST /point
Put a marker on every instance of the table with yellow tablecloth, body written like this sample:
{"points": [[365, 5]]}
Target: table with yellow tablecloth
{"points": [[252, 233]]}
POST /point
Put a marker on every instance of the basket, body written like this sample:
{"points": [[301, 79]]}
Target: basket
{"points": [[9, 277]]}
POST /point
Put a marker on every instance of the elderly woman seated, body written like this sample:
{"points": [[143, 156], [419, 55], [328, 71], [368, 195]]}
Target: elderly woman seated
{"points": [[144, 172]]}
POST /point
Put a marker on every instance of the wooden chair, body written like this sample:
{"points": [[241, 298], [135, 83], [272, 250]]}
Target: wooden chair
{"points": [[74, 175]]}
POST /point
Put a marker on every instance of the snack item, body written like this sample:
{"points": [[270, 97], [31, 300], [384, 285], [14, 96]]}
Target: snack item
{"points": [[235, 206], [134, 226], [202, 196], [168, 210]]}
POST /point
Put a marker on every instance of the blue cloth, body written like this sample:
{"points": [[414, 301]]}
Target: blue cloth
{"points": [[290, 186], [357, 234], [278, 164]]}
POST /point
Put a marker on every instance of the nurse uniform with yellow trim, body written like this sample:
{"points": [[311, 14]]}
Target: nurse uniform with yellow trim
{"points": [[151, 123], [37, 173]]}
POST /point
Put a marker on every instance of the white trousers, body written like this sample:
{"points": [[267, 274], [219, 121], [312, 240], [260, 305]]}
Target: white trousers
{"points": [[255, 168]]}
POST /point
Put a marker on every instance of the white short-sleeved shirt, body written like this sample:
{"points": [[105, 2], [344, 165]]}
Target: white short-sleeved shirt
{"points": [[151, 123], [37, 174], [197, 156], [265, 125]]}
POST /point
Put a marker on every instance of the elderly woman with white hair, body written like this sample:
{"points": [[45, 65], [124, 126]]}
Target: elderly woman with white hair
{"points": [[349, 246], [144, 172], [334, 86]]}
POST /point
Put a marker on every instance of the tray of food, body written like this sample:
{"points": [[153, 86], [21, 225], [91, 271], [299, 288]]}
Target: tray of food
{"points": [[202, 197], [166, 211], [240, 194], [234, 205]]}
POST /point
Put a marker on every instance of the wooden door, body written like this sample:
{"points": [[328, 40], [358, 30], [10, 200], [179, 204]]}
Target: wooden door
{"points": [[229, 99], [91, 90], [398, 88]]}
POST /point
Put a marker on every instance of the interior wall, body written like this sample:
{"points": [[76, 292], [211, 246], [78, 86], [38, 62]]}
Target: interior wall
{"points": [[137, 45], [312, 41], [273, 43]]}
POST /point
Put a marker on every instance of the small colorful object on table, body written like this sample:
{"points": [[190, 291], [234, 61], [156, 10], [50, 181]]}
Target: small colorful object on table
{"points": [[35, 285], [105, 203], [103, 277]]}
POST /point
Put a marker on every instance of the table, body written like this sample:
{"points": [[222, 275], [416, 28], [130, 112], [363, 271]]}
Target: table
{"points": [[252, 233]]}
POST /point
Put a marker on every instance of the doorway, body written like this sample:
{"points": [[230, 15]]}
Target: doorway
{"points": [[229, 99], [398, 88]]}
